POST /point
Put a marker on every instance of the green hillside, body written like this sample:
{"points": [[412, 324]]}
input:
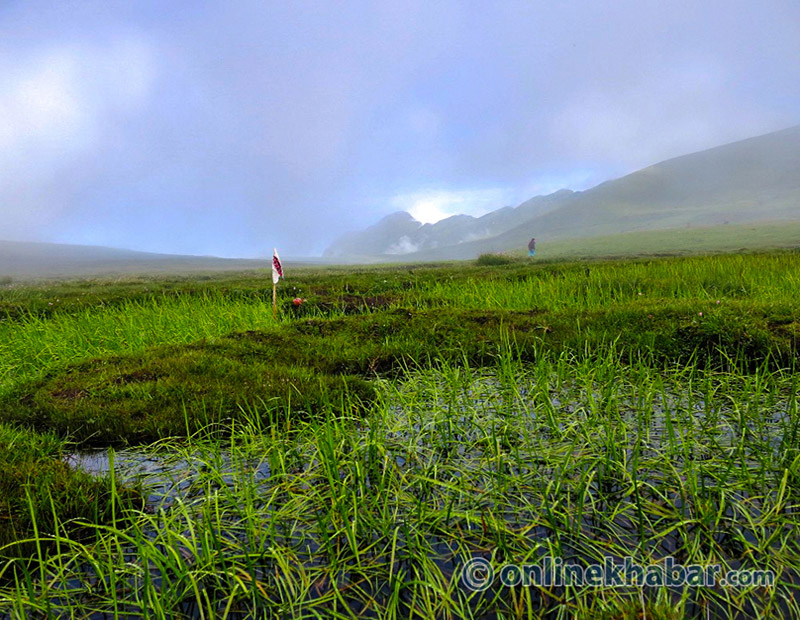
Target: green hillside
{"points": [[755, 180], [750, 182], [678, 241]]}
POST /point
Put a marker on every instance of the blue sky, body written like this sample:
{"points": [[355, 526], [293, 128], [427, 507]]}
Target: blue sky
{"points": [[231, 127]]}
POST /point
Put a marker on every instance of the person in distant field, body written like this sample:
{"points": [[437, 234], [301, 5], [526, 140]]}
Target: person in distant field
{"points": [[531, 247]]}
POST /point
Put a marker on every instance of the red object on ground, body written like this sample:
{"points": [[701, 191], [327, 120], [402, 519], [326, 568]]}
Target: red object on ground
{"points": [[297, 301]]}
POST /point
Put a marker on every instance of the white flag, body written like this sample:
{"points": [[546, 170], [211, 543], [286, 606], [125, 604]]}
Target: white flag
{"points": [[277, 268]]}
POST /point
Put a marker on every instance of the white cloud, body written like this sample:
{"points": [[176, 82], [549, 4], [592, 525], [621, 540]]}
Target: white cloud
{"points": [[56, 106], [404, 245], [424, 122], [430, 206], [678, 110], [40, 104]]}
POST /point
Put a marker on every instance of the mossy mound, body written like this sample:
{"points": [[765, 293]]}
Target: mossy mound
{"points": [[306, 366], [40, 492]]}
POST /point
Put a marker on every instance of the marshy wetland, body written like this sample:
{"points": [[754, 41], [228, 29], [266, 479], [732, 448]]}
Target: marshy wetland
{"points": [[171, 450]]}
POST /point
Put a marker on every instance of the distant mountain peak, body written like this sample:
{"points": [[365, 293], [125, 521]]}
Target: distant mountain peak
{"points": [[385, 237], [752, 180], [400, 234], [398, 216]]}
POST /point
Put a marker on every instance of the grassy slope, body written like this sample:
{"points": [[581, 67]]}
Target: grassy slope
{"points": [[679, 241], [697, 240], [752, 181]]}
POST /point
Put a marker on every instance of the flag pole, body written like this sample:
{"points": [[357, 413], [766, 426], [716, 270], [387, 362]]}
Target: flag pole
{"points": [[277, 274]]}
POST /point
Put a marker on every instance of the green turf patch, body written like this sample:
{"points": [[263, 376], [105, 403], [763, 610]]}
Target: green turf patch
{"points": [[311, 364], [601, 396], [41, 496]]}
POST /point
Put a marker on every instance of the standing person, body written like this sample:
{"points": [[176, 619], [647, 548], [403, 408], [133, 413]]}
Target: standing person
{"points": [[532, 247]]}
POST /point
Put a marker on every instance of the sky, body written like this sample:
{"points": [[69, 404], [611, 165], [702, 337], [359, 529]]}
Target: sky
{"points": [[231, 127]]}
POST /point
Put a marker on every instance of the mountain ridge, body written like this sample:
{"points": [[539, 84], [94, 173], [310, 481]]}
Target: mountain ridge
{"points": [[406, 235], [35, 259], [751, 180]]}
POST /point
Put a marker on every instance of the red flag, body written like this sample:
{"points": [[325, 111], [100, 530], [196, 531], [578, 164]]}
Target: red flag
{"points": [[277, 268]]}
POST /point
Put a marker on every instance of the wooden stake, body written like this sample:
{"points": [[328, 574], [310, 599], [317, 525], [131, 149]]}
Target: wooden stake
{"points": [[274, 301]]}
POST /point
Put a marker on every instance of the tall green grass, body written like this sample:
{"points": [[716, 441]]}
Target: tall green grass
{"points": [[770, 279], [572, 457], [621, 411], [29, 345]]}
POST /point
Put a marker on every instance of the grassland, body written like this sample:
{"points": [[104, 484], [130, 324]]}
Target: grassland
{"points": [[683, 241], [347, 457]]}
